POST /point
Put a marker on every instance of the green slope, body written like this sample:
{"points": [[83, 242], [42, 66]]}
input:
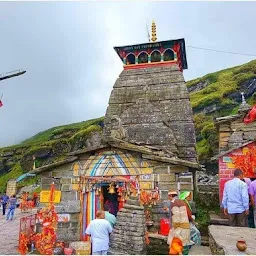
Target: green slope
{"points": [[220, 90], [49, 139]]}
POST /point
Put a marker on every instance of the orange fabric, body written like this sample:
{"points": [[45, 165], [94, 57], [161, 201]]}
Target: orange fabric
{"points": [[176, 247]]}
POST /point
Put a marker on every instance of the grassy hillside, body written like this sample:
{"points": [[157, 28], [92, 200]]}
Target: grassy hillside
{"points": [[68, 135], [222, 90]]}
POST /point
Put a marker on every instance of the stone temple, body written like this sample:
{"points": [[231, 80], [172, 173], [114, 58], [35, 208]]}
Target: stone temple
{"points": [[149, 104], [147, 145]]}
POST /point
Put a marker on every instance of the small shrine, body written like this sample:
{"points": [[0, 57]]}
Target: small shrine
{"points": [[146, 148], [237, 147]]}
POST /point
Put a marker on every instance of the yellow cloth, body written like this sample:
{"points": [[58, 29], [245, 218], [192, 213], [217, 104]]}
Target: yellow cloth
{"points": [[181, 225]]}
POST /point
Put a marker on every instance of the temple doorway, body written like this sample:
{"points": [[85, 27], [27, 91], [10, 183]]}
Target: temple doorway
{"points": [[110, 198]]}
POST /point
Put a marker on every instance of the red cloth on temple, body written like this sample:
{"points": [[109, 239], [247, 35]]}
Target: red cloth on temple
{"points": [[251, 116], [1, 104], [111, 206], [121, 204]]}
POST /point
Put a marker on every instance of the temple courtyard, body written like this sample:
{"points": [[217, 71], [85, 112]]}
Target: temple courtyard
{"points": [[9, 232]]}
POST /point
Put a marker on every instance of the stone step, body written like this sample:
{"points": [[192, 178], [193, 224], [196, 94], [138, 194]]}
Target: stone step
{"points": [[133, 207], [113, 252], [205, 240], [218, 220], [200, 250], [133, 201]]}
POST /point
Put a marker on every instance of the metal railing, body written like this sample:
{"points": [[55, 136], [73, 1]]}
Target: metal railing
{"points": [[28, 226]]}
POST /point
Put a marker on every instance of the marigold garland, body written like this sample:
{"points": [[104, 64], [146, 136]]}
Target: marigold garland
{"points": [[23, 243], [149, 198], [24, 202], [246, 162], [45, 241], [147, 238]]}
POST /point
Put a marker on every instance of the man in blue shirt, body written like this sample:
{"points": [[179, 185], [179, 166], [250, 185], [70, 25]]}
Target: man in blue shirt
{"points": [[4, 201], [109, 216], [236, 200], [12, 207], [99, 230]]}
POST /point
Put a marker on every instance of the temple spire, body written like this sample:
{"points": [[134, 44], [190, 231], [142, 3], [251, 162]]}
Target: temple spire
{"points": [[153, 34]]}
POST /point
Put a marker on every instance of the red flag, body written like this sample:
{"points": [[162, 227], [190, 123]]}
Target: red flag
{"points": [[52, 193], [1, 104]]}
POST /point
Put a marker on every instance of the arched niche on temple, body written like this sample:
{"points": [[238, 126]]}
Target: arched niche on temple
{"points": [[143, 58], [130, 59], [155, 56], [168, 55]]}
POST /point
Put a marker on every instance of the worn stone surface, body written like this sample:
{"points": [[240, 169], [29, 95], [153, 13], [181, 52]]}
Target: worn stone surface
{"points": [[200, 250], [234, 132], [128, 236], [151, 106], [157, 212], [70, 232], [65, 187], [9, 233], [157, 245], [67, 207], [222, 240], [48, 186], [218, 219]]}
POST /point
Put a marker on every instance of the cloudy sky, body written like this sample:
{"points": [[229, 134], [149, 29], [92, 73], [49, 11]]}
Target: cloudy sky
{"points": [[67, 50]]}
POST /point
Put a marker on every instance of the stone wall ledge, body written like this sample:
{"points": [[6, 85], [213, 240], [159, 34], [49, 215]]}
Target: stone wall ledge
{"points": [[133, 207], [66, 207], [222, 240], [157, 236]]}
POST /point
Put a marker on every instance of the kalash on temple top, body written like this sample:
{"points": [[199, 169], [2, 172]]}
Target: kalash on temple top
{"points": [[154, 53]]}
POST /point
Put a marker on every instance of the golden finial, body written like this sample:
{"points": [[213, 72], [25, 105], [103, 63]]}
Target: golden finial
{"points": [[153, 38]]}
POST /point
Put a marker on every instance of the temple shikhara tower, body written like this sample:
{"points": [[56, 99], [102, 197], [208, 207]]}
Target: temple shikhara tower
{"points": [[149, 104], [146, 148]]}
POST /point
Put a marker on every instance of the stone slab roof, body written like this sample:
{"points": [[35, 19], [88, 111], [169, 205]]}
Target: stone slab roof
{"points": [[149, 153]]}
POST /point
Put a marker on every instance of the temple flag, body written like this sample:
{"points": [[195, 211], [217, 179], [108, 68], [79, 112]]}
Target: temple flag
{"points": [[1, 104], [251, 116]]}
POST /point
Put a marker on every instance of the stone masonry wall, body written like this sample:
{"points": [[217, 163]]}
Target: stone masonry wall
{"points": [[157, 245], [167, 178], [235, 133], [66, 182], [151, 106]]}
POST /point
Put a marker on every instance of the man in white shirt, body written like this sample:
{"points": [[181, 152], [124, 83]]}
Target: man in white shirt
{"points": [[99, 230]]}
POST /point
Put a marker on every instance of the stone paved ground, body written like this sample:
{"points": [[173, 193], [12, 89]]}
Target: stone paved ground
{"points": [[200, 250], [9, 232]]}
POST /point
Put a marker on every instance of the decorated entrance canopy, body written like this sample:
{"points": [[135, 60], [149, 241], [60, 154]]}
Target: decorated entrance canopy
{"points": [[153, 54]]}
